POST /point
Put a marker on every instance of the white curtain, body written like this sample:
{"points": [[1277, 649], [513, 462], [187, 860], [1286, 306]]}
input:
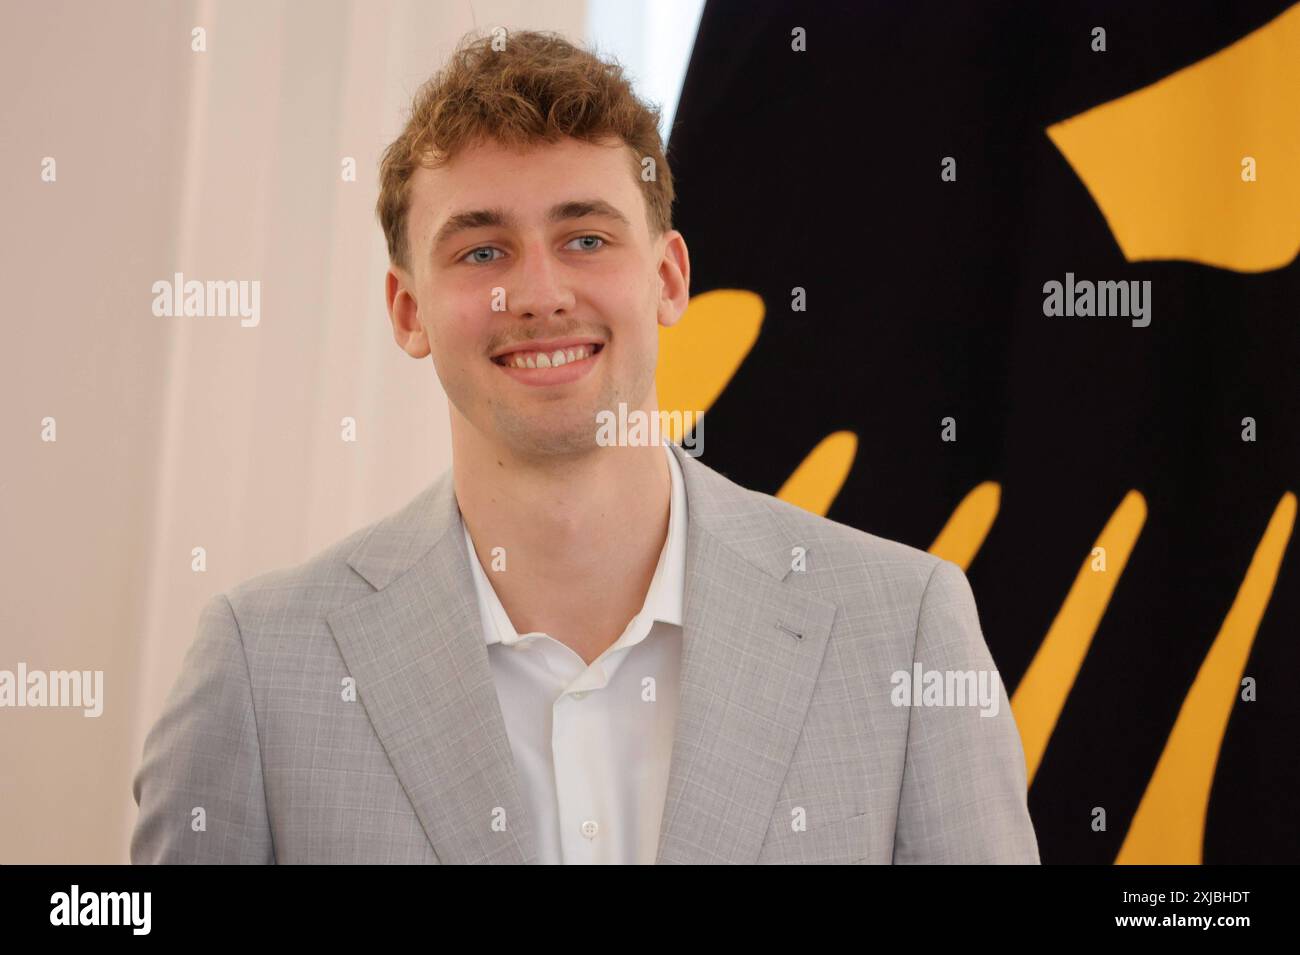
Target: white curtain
{"points": [[175, 433]]}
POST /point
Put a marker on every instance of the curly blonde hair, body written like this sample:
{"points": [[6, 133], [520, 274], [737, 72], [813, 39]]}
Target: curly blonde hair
{"points": [[520, 90]]}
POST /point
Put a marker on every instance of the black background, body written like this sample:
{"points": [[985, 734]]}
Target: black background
{"points": [[821, 170]]}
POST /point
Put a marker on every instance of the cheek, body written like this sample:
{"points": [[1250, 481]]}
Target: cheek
{"points": [[633, 305], [638, 329], [456, 333]]}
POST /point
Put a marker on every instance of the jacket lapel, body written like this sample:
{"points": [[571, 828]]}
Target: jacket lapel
{"points": [[416, 650], [752, 648]]}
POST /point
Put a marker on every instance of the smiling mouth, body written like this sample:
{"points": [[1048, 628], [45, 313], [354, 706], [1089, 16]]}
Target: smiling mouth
{"points": [[549, 359]]}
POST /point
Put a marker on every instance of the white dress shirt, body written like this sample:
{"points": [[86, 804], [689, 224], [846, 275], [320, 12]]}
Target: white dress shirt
{"points": [[592, 743]]}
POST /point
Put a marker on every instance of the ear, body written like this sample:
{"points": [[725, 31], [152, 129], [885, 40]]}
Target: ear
{"points": [[674, 277], [404, 313]]}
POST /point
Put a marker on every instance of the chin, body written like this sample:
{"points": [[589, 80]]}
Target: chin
{"points": [[544, 441]]}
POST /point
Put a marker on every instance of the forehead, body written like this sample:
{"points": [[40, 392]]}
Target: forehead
{"points": [[527, 183]]}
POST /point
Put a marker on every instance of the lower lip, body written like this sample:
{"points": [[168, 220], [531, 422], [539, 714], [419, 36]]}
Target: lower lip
{"points": [[570, 371]]}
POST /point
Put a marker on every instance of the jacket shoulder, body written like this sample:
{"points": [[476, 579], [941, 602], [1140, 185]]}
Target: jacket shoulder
{"points": [[839, 544], [307, 591]]}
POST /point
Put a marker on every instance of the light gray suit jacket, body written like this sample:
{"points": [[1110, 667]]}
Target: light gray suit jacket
{"points": [[787, 749]]}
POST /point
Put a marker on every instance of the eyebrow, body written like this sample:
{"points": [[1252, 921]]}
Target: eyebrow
{"points": [[560, 212]]}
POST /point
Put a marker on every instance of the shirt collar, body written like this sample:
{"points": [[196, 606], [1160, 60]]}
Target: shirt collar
{"points": [[664, 600]]}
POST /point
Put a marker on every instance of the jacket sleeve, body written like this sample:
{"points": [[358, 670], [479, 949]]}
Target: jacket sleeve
{"points": [[199, 786], [963, 798]]}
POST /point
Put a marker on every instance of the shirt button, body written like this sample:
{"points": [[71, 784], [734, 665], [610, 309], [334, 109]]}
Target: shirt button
{"points": [[590, 828], [579, 695], [522, 645]]}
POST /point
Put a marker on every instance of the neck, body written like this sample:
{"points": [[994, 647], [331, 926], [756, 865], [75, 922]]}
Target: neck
{"points": [[581, 533]]}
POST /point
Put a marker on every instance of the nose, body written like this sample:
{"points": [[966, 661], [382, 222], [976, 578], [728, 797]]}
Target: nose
{"points": [[539, 287]]}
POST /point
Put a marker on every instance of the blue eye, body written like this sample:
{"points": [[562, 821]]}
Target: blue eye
{"points": [[481, 248], [467, 257]]}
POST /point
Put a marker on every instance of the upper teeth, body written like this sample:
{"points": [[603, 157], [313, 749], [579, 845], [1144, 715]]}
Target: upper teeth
{"points": [[541, 359]]}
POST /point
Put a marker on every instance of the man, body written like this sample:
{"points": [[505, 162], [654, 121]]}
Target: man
{"points": [[561, 651]]}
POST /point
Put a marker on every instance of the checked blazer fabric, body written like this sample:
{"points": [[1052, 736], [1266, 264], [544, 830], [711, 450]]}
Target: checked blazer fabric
{"points": [[787, 747]]}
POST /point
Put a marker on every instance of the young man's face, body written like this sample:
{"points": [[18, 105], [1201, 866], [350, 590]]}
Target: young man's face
{"points": [[556, 239]]}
